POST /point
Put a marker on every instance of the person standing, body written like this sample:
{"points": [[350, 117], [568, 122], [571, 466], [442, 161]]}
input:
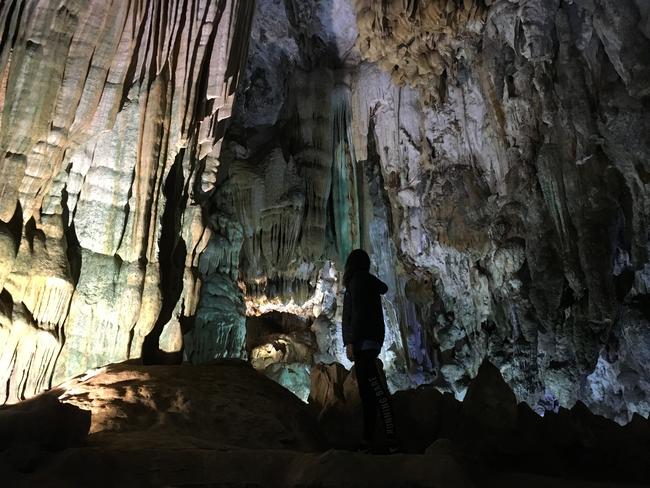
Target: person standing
{"points": [[363, 337]]}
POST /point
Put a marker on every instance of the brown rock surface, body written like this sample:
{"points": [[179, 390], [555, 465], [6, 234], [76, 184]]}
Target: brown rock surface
{"points": [[226, 404]]}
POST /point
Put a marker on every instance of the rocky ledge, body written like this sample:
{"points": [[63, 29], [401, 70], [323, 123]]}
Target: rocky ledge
{"points": [[224, 424]]}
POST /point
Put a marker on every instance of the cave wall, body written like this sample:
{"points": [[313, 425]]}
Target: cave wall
{"points": [[492, 155], [515, 154], [293, 200], [499, 153], [112, 119]]}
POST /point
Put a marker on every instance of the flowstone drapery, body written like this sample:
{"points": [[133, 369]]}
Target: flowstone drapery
{"points": [[112, 120]]}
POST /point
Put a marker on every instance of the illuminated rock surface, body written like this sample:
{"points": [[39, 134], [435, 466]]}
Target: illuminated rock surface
{"points": [[109, 146], [517, 187], [491, 156]]}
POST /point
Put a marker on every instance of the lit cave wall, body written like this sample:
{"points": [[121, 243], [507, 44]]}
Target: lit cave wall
{"points": [[112, 119], [492, 155], [292, 200]]}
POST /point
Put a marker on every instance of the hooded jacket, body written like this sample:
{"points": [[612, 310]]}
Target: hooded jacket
{"points": [[363, 316]]}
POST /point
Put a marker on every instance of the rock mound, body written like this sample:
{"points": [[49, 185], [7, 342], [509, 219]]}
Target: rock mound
{"points": [[226, 404], [226, 425]]}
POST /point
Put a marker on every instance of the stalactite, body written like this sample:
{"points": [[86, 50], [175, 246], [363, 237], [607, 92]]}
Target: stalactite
{"points": [[345, 185], [418, 42]]}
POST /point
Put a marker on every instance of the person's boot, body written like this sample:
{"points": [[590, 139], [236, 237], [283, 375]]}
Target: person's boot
{"points": [[391, 446], [365, 446]]}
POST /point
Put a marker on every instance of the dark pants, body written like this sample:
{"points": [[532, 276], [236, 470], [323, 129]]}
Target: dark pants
{"points": [[374, 395]]}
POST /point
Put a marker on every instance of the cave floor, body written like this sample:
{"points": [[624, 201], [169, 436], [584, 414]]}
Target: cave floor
{"points": [[99, 465], [220, 425]]}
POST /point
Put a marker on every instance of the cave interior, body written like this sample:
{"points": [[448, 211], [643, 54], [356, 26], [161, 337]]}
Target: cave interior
{"points": [[182, 181]]}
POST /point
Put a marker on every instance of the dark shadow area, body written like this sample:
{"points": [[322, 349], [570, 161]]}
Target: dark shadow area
{"points": [[270, 324], [31, 429], [73, 247], [15, 225], [171, 260], [6, 306], [233, 423], [489, 432]]}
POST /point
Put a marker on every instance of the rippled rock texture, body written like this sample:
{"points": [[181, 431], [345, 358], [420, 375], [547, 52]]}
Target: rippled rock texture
{"points": [[112, 120]]}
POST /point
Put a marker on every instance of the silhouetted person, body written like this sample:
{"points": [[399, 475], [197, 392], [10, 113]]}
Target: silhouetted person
{"points": [[363, 337]]}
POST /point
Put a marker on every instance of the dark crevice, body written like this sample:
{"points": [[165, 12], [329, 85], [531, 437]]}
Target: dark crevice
{"points": [[15, 225], [8, 23], [6, 303], [73, 247], [30, 232], [172, 253]]}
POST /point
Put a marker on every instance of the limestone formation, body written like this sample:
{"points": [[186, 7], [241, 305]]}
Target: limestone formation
{"points": [[517, 187], [291, 182], [484, 170], [109, 147], [492, 156], [420, 43]]}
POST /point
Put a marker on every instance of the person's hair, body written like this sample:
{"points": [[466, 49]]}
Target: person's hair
{"points": [[358, 260]]}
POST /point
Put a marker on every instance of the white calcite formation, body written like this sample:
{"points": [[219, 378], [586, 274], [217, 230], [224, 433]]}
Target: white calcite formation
{"points": [[518, 185], [112, 119], [492, 157]]}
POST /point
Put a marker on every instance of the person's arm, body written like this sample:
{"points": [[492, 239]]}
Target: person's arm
{"points": [[347, 329], [349, 352], [382, 287], [351, 308]]}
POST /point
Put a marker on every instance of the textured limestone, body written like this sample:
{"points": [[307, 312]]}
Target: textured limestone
{"points": [[419, 42], [204, 402], [109, 145], [290, 184], [492, 156], [520, 193], [493, 165]]}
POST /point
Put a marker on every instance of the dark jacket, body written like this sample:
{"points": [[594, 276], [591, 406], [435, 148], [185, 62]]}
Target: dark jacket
{"points": [[363, 316]]}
